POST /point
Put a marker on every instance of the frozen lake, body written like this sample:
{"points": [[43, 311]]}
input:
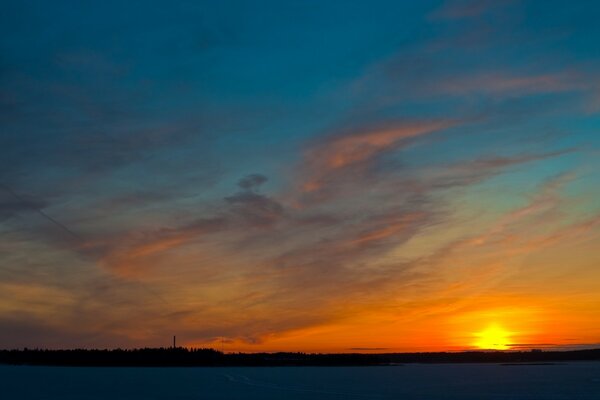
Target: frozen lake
{"points": [[577, 380]]}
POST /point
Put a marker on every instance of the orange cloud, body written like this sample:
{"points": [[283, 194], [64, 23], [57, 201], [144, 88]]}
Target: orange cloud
{"points": [[339, 153], [510, 84], [133, 256], [389, 229]]}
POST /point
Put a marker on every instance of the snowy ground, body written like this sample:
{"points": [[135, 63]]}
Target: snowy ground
{"points": [[454, 381]]}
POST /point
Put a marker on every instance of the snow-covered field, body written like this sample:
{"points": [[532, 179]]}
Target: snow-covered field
{"points": [[578, 380]]}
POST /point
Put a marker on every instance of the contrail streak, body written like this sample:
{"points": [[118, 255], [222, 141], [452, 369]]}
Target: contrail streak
{"points": [[39, 211], [68, 231]]}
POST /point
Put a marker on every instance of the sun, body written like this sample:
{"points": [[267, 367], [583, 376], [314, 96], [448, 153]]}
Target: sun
{"points": [[494, 337]]}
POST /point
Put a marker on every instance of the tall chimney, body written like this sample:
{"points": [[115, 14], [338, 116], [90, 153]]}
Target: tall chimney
{"points": [[174, 338]]}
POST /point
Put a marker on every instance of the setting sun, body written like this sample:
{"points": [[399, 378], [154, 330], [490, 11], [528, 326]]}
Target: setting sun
{"points": [[493, 338]]}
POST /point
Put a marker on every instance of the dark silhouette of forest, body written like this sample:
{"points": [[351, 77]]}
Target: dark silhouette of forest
{"points": [[191, 357]]}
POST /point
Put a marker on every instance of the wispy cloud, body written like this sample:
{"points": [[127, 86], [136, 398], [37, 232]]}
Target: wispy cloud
{"points": [[350, 155]]}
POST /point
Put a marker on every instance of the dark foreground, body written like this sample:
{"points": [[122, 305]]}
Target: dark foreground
{"points": [[182, 357], [574, 381]]}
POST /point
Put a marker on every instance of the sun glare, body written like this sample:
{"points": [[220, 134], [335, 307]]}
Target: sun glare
{"points": [[493, 338]]}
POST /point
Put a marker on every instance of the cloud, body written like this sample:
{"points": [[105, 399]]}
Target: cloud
{"points": [[133, 255], [19, 203], [351, 154], [471, 66], [482, 262], [387, 228], [292, 261], [10, 206], [252, 181], [469, 172], [255, 209], [287, 260], [502, 83], [354, 148], [369, 348], [28, 331], [401, 81]]}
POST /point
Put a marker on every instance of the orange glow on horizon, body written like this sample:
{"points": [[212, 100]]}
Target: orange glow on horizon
{"points": [[501, 327], [494, 337]]}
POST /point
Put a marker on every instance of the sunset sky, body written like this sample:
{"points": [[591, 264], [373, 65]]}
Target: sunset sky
{"points": [[320, 176]]}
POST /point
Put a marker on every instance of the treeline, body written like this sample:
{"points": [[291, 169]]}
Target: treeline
{"points": [[502, 357], [189, 357], [179, 356]]}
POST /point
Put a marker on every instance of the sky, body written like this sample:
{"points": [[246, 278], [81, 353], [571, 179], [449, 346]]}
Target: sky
{"points": [[340, 176]]}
